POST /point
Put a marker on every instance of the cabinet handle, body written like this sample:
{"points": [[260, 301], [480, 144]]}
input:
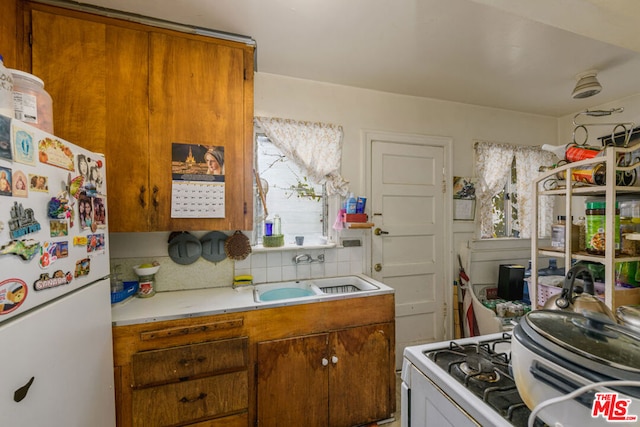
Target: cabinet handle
{"points": [[325, 362], [195, 399], [334, 359], [155, 196], [186, 362], [141, 197]]}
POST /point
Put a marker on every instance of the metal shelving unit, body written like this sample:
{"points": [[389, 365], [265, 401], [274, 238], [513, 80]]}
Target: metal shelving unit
{"points": [[609, 193]]}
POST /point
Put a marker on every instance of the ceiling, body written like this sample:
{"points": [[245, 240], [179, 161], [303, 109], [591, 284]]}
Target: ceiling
{"points": [[520, 55]]}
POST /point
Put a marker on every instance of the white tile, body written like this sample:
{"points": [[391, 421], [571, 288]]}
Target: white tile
{"points": [[259, 275], [242, 271], [274, 259], [317, 270], [288, 272], [330, 269], [331, 255], [303, 271], [274, 274], [259, 260], [344, 268], [355, 267]]}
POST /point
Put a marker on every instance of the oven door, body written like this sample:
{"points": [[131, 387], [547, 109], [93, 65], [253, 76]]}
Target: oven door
{"points": [[427, 405]]}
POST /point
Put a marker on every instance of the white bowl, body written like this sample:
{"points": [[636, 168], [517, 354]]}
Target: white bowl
{"points": [[148, 271]]}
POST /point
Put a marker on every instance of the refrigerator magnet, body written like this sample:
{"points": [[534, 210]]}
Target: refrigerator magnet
{"points": [[13, 292], [22, 221], [83, 267], [59, 278], [25, 248]]}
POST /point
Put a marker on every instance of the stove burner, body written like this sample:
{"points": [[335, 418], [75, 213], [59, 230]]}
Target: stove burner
{"points": [[483, 371]]}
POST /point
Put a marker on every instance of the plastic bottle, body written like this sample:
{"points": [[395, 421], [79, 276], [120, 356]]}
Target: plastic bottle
{"points": [[352, 204], [6, 91], [277, 225], [32, 103]]}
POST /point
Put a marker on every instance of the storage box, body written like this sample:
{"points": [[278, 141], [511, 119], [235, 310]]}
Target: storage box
{"points": [[355, 217], [511, 282]]}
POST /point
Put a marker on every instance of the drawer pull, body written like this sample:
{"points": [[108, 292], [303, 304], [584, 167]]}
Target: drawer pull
{"points": [[186, 362], [195, 399]]}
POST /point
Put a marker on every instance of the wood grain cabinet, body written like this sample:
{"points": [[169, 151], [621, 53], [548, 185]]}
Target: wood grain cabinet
{"points": [[182, 373], [337, 379], [130, 91]]}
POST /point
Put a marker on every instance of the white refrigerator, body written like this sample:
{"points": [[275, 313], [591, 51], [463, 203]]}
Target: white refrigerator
{"points": [[56, 356]]}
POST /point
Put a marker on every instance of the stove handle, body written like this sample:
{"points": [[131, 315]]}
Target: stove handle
{"points": [[560, 383]]}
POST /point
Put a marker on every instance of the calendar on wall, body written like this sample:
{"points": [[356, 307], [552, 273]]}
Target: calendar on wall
{"points": [[198, 181]]}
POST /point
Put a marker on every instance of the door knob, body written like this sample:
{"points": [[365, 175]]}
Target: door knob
{"points": [[325, 362], [378, 232], [334, 359], [377, 267]]}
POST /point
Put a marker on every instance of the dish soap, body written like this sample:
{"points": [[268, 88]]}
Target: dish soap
{"points": [[352, 204]]}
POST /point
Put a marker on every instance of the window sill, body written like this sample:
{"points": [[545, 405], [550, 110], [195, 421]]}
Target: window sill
{"points": [[292, 247]]}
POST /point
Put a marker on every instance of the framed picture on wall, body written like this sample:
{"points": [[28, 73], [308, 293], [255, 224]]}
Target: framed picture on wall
{"points": [[464, 198]]}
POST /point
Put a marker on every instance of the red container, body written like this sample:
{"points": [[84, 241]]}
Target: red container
{"points": [[575, 153]]}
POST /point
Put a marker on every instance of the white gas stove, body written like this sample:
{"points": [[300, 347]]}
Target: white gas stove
{"points": [[464, 382]]}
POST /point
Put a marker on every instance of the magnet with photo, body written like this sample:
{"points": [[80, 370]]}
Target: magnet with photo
{"points": [[5, 182], [19, 184], [58, 228], [38, 183], [24, 148], [54, 152], [5, 138], [85, 211]]}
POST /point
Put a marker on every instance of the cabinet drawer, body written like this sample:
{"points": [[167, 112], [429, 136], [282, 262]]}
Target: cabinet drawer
{"points": [[172, 364], [240, 420], [191, 400]]}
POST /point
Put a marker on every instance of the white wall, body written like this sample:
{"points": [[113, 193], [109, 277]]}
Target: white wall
{"points": [[357, 110]]}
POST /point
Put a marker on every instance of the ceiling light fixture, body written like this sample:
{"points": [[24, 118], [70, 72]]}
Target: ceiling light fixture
{"points": [[588, 85]]}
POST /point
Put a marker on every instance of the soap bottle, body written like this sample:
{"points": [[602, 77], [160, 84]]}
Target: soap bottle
{"points": [[277, 225], [351, 204]]}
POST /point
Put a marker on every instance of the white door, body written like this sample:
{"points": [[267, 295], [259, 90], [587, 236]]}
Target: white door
{"points": [[57, 363], [411, 253]]}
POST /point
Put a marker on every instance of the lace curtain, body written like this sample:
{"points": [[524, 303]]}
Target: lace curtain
{"points": [[493, 168], [315, 147]]}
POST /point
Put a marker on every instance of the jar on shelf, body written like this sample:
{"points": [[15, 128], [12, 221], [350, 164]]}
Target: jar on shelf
{"points": [[32, 104], [596, 220]]}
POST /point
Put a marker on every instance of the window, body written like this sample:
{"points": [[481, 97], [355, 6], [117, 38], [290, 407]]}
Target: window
{"points": [[504, 190], [300, 203], [505, 208]]}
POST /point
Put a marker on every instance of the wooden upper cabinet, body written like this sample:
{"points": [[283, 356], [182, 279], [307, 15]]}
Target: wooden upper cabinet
{"points": [[129, 91], [196, 91]]}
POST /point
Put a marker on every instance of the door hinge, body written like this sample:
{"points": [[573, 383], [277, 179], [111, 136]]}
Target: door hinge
{"points": [[444, 186], [245, 208]]}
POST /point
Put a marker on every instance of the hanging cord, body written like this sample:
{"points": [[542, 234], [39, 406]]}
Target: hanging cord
{"points": [[575, 393]]}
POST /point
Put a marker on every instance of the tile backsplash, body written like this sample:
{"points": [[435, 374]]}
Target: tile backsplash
{"points": [[264, 266]]}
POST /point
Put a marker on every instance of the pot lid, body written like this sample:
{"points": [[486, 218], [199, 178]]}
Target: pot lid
{"points": [[213, 246], [184, 248], [591, 335], [629, 315]]}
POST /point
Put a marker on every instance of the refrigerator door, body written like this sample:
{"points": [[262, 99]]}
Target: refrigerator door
{"points": [[57, 363], [53, 218]]}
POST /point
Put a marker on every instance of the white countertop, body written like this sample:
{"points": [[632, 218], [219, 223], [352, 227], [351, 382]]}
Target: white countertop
{"points": [[202, 302]]}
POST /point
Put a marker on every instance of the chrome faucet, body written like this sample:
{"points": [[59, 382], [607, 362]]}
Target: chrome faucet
{"points": [[307, 258]]}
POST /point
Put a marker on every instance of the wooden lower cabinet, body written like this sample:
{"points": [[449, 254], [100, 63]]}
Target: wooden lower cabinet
{"points": [[322, 364], [335, 379]]}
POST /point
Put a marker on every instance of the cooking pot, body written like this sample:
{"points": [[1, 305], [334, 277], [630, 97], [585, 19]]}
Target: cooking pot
{"points": [[629, 315], [574, 299], [555, 352]]}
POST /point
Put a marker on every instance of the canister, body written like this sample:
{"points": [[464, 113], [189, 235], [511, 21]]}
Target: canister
{"points": [[32, 104], [595, 219]]}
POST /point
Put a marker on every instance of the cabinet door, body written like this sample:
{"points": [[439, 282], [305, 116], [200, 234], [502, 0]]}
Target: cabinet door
{"points": [[97, 75], [197, 97], [361, 379], [292, 382]]}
